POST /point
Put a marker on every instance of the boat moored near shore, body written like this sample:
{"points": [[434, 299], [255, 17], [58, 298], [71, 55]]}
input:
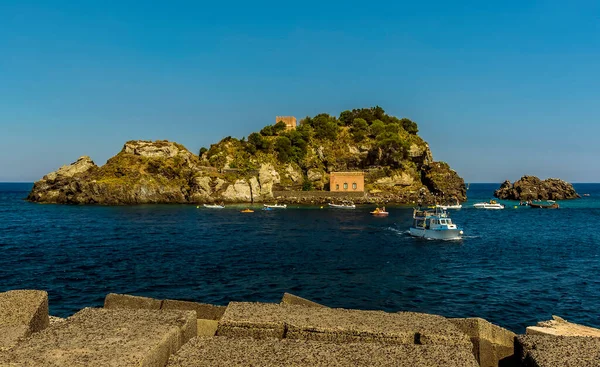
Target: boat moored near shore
{"points": [[275, 206], [214, 206], [492, 204], [344, 205], [549, 204]]}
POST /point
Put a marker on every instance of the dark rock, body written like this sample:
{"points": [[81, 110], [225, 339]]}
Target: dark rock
{"points": [[532, 188], [443, 182]]}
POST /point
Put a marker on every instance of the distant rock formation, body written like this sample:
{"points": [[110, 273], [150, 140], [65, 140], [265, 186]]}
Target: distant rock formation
{"points": [[532, 188]]}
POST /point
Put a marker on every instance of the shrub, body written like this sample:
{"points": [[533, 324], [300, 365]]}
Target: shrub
{"points": [[325, 127], [359, 129], [410, 126], [267, 131], [279, 128], [283, 147], [307, 185], [376, 128]]}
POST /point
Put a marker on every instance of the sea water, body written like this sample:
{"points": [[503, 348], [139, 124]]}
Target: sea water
{"points": [[514, 267]]}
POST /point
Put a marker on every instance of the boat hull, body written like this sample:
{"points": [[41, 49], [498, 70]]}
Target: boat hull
{"points": [[446, 207], [380, 214], [336, 206], [214, 206], [542, 206], [284, 206], [437, 234], [488, 206]]}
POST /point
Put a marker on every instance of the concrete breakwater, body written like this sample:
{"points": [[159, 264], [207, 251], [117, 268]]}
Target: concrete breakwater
{"points": [[139, 331]]}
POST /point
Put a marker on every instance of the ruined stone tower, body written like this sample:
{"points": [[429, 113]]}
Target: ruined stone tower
{"points": [[290, 122]]}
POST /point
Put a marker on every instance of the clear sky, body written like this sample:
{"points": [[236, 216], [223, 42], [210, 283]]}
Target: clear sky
{"points": [[499, 88]]}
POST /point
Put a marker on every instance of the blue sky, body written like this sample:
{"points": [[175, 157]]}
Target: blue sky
{"points": [[499, 89]]}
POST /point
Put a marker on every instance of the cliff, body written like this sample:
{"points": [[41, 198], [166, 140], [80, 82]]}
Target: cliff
{"points": [[532, 188], [398, 167]]}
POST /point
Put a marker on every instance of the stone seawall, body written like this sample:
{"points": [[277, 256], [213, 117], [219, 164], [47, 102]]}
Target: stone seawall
{"points": [[140, 331]]}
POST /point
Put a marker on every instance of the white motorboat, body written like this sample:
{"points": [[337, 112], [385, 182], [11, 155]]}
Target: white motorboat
{"points": [[434, 225], [449, 206], [275, 206], [349, 205], [214, 206], [492, 204], [446, 207]]}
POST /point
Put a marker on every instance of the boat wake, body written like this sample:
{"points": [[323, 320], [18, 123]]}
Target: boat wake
{"points": [[397, 231]]}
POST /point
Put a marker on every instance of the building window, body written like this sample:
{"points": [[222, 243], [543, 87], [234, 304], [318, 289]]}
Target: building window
{"points": [[354, 186], [345, 186], [337, 186]]}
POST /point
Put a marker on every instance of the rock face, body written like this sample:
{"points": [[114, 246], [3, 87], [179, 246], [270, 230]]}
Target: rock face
{"points": [[532, 188], [443, 182]]}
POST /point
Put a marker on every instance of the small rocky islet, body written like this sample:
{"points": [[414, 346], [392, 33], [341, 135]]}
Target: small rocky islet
{"points": [[279, 163], [532, 188]]}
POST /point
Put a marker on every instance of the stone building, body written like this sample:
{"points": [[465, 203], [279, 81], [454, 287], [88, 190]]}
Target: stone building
{"points": [[347, 181], [290, 122]]}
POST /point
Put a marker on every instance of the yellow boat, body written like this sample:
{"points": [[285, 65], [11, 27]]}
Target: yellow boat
{"points": [[247, 211], [379, 212]]}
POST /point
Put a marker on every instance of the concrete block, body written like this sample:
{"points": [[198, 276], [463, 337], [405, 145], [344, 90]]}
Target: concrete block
{"points": [[491, 343], [106, 337], [221, 351], [252, 320], [207, 327], [203, 311], [22, 312], [339, 325], [290, 299], [114, 300], [55, 320], [560, 326], [12, 335], [557, 351]]}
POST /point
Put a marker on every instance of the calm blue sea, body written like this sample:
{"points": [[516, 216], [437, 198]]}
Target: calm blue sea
{"points": [[515, 267]]}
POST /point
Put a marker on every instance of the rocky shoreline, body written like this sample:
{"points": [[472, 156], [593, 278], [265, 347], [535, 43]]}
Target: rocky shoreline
{"points": [[165, 172], [139, 331]]}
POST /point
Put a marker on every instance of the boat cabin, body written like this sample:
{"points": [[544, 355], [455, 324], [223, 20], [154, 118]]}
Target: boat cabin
{"points": [[432, 220]]}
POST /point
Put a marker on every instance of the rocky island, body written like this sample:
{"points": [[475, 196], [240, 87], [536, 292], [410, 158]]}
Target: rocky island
{"points": [[532, 188], [284, 162]]}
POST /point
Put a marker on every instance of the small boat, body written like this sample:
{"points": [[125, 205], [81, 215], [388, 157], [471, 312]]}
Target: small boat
{"points": [[275, 206], [434, 225], [346, 205], [493, 204], [380, 212], [586, 194], [449, 206], [247, 211], [550, 204], [214, 206]]}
